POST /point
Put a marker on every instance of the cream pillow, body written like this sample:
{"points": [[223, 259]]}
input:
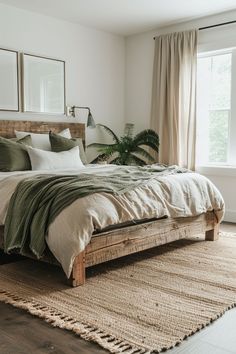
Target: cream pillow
{"points": [[41, 141], [48, 160]]}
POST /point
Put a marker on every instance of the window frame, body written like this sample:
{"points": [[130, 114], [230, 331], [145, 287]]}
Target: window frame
{"points": [[231, 153]]}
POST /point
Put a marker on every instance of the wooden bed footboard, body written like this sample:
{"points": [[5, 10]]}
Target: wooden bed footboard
{"points": [[116, 243], [121, 242]]}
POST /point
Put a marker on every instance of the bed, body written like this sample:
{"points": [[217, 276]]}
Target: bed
{"points": [[114, 241]]}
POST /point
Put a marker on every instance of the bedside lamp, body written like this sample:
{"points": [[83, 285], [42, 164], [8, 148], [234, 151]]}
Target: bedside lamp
{"points": [[90, 120]]}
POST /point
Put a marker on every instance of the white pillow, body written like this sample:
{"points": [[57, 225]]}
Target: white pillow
{"points": [[41, 141], [48, 160]]}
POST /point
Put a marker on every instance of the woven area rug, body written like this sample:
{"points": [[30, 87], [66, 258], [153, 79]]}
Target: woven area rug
{"points": [[143, 303]]}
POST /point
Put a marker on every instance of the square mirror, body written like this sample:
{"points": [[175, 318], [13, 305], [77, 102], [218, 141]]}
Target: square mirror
{"points": [[43, 85], [9, 93]]}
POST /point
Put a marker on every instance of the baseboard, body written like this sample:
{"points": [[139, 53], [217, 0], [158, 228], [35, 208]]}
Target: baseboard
{"points": [[230, 215]]}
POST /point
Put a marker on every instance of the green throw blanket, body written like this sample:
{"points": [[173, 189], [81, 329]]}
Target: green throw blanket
{"points": [[38, 200]]}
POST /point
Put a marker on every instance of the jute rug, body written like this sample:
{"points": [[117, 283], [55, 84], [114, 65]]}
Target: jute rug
{"points": [[143, 303]]}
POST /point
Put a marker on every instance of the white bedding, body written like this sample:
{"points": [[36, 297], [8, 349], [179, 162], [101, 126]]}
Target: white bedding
{"points": [[179, 195]]}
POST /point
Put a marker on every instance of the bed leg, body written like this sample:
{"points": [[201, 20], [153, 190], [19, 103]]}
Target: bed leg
{"points": [[78, 271], [212, 235]]}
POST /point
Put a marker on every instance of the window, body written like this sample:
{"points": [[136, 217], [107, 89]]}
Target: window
{"points": [[216, 110]]}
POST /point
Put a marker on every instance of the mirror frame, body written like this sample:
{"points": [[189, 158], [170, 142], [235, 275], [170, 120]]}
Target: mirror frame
{"points": [[23, 83], [17, 79]]}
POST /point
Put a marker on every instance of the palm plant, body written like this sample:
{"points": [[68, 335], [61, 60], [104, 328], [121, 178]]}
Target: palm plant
{"points": [[128, 149]]}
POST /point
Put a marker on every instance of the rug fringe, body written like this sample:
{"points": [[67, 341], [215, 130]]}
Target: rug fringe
{"points": [[88, 332], [84, 330]]}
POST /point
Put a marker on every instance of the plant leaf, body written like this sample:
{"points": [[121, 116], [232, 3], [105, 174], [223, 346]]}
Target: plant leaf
{"points": [[144, 153], [99, 157], [146, 136], [149, 138], [116, 161], [137, 160], [151, 145], [147, 132], [99, 145], [110, 132]]}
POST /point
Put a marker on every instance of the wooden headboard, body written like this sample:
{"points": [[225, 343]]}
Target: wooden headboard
{"points": [[8, 127]]}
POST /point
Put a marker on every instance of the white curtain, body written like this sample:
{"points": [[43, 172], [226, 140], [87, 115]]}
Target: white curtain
{"points": [[173, 112]]}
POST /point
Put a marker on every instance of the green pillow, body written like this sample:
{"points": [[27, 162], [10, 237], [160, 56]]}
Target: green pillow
{"points": [[60, 143], [14, 155], [26, 140]]}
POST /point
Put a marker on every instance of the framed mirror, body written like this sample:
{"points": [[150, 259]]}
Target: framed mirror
{"points": [[43, 85], [9, 75]]}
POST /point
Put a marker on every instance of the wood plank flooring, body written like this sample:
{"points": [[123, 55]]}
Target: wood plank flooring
{"points": [[21, 333]]}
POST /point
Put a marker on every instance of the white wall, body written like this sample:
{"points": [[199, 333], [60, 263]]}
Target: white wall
{"points": [[139, 65], [95, 62]]}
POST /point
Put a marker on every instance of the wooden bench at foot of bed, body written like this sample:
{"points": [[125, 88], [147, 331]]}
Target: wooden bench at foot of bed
{"points": [[123, 241]]}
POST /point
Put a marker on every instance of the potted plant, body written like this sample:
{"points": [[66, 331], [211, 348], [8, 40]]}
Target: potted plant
{"points": [[129, 148]]}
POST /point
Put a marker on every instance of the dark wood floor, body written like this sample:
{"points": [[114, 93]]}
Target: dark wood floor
{"points": [[22, 333]]}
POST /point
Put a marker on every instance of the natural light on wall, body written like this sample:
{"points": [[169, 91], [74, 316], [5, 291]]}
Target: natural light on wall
{"points": [[215, 145]]}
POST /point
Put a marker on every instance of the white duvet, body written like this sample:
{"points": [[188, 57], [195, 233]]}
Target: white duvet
{"points": [[178, 195]]}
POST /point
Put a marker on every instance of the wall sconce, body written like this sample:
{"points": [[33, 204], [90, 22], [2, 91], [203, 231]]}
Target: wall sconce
{"points": [[70, 111]]}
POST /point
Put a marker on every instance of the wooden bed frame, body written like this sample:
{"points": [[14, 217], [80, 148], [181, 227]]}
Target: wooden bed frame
{"points": [[119, 242]]}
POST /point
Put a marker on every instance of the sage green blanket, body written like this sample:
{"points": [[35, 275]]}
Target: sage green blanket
{"points": [[38, 200]]}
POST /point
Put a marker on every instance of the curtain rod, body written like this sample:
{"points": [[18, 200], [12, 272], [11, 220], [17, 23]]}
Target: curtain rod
{"points": [[216, 25]]}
